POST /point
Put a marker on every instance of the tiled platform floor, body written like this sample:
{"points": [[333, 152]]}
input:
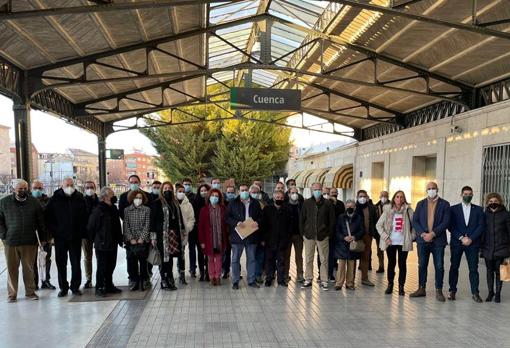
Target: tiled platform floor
{"points": [[198, 315]]}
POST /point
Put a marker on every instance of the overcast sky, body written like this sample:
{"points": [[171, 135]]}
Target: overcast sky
{"points": [[52, 134]]}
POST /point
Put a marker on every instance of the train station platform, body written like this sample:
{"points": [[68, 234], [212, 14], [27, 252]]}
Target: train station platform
{"points": [[198, 315]]}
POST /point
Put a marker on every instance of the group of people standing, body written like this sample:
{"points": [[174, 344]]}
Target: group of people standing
{"points": [[171, 218]]}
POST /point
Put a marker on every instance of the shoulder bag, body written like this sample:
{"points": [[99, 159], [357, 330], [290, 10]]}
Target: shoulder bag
{"points": [[356, 246]]}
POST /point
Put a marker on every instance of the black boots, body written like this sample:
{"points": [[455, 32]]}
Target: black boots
{"points": [[499, 285], [182, 278], [401, 291], [389, 289]]}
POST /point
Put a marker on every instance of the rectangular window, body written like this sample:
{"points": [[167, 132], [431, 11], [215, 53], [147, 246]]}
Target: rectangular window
{"points": [[496, 171]]}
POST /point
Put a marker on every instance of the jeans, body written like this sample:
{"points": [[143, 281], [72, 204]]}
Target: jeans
{"points": [[194, 250], [472, 260], [226, 260], [260, 257], [392, 252], [424, 251], [237, 252]]}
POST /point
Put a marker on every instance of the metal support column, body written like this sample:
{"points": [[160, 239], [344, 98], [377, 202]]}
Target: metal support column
{"points": [[101, 143], [265, 41], [23, 140]]}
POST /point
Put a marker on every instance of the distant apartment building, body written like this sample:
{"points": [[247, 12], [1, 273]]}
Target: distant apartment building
{"points": [[13, 164], [142, 165]]}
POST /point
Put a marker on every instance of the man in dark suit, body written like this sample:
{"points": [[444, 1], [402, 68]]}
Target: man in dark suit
{"points": [[237, 212], [430, 221], [467, 222]]}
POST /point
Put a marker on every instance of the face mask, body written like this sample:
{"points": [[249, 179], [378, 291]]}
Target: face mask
{"points": [[493, 206], [37, 193], [203, 194], [362, 200], [326, 196], [214, 200], [113, 200], [278, 202], [22, 194], [169, 195], [294, 196], [467, 199], [134, 187], [69, 190], [432, 193], [334, 196], [216, 186], [180, 196], [244, 195], [137, 202], [350, 211], [156, 191], [254, 195], [89, 192], [187, 188], [384, 200], [231, 196], [317, 194]]}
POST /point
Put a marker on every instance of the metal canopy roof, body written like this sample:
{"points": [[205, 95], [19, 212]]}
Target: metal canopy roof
{"points": [[358, 63]]}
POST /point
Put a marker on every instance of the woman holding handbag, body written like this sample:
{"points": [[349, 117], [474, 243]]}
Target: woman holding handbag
{"points": [[212, 233], [495, 243], [348, 245], [137, 238], [166, 228], [397, 235]]}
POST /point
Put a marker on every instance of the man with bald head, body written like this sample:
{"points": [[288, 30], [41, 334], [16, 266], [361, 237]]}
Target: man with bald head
{"points": [[430, 221], [21, 218], [66, 217]]}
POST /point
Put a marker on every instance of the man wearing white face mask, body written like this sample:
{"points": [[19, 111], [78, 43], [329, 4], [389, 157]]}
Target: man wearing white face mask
{"points": [[430, 221], [66, 217], [91, 201], [317, 225]]}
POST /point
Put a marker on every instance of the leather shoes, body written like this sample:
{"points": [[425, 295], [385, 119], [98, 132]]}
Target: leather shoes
{"points": [[477, 298], [113, 290], [77, 292], [235, 286], [367, 282], [88, 284], [451, 296], [419, 293], [62, 293], [439, 295], [100, 292], [254, 285]]}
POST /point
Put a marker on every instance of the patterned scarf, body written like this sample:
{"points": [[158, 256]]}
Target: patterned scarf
{"points": [[215, 220], [170, 243]]}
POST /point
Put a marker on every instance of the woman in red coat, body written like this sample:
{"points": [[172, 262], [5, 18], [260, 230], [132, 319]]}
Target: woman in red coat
{"points": [[212, 233]]}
